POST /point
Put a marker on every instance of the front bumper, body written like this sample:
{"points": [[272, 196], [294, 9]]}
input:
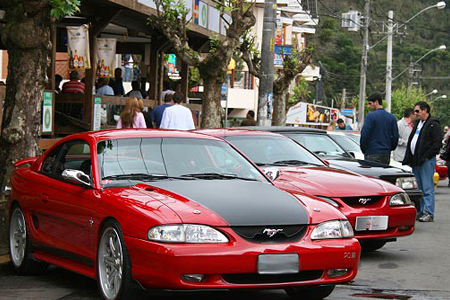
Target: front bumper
{"points": [[401, 220], [234, 265]]}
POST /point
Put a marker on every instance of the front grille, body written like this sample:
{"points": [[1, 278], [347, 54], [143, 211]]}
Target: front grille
{"points": [[261, 234], [361, 201], [254, 278]]}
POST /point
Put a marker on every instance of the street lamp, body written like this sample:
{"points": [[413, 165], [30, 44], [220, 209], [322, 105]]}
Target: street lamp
{"points": [[440, 97], [432, 92], [366, 48], [441, 48], [439, 5]]}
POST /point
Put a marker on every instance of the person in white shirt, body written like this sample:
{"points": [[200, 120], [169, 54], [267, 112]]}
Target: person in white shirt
{"points": [[405, 126], [177, 116]]}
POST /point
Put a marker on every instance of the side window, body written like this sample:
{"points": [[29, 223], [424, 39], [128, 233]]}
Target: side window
{"points": [[48, 166], [74, 155]]}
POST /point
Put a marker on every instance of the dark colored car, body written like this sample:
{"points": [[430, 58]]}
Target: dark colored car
{"points": [[172, 210], [320, 143]]}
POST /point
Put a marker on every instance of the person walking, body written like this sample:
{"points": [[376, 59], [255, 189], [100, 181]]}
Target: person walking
{"points": [[405, 126], [379, 135], [424, 144], [158, 111], [177, 116], [131, 116]]}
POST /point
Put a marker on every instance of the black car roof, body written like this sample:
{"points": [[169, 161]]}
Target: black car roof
{"points": [[287, 129]]}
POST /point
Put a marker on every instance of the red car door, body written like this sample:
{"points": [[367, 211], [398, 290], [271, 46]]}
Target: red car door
{"points": [[65, 215]]}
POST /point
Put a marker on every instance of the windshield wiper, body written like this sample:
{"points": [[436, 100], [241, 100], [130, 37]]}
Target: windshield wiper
{"points": [[290, 162], [216, 176], [143, 176]]}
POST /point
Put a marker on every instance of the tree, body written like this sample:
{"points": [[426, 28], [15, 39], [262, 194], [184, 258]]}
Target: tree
{"points": [[26, 36], [293, 65], [171, 20], [405, 97]]}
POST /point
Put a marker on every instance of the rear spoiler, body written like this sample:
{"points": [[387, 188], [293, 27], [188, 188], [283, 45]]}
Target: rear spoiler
{"points": [[26, 161]]}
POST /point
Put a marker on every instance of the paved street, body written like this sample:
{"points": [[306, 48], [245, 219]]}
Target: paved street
{"points": [[415, 267]]}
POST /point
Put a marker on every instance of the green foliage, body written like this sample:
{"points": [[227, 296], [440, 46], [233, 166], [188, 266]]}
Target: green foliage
{"points": [[172, 10], [403, 98], [300, 92], [62, 8]]}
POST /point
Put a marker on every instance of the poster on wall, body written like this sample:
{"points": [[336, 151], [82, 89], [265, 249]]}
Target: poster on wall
{"points": [[47, 113], [78, 47], [104, 57], [311, 114]]}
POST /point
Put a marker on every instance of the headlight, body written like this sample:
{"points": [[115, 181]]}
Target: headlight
{"points": [[336, 229], [329, 201], [406, 183], [186, 233], [399, 199], [440, 163]]}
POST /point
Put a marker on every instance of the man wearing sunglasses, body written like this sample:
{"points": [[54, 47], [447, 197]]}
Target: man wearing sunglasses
{"points": [[424, 144]]}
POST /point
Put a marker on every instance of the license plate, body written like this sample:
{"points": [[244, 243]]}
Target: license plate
{"points": [[371, 223], [278, 263]]}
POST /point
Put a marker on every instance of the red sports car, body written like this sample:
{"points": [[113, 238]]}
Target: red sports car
{"points": [[172, 210], [378, 211]]}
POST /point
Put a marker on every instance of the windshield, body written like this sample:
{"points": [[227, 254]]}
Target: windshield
{"points": [[273, 150], [346, 142], [355, 137], [320, 144], [148, 159]]}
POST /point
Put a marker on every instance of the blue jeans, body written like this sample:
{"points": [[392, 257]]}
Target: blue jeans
{"points": [[424, 176]]}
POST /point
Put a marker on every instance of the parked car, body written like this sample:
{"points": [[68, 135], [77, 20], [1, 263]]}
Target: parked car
{"points": [[378, 211], [319, 142], [172, 210], [349, 141]]}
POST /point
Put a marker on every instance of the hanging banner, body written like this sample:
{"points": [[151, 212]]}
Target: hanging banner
{"points": [[310, 114], [104, 57], [47, 113], [78, 47]]}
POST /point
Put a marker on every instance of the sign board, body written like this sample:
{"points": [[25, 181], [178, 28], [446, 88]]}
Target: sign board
{"points": [[104, 57], [78, 47], [97, 113], [347, 112], [311, 114], [203, 14], [47, 113]]}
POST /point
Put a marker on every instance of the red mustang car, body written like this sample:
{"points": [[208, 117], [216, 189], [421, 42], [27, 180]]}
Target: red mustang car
{"points": [[172, 210], [378, 211]]}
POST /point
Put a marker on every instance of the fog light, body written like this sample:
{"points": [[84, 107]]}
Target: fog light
{"points": [[403, 228], [337, 272], [193, 277]]}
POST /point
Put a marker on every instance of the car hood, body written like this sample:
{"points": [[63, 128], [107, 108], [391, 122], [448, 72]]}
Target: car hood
{"points": [[239, 203], [331, 182], [367, 168]]}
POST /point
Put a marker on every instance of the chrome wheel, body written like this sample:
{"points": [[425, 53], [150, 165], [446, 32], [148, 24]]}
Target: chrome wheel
{"points": [[110, 263], [17, 237]]}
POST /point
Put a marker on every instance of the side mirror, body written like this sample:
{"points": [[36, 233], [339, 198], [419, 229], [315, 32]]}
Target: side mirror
{"points": [[77, 177], [352, 154], [272, 173]]}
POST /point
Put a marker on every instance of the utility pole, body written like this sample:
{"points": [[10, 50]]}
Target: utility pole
{"points": [[389, 60], [365, 50], [265, 93]]}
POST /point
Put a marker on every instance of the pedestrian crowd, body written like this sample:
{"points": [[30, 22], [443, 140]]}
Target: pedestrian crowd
{"points": [[415, 141]]}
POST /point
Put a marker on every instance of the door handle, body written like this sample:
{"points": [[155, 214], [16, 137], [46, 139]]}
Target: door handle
{"points": [[44, 198]]}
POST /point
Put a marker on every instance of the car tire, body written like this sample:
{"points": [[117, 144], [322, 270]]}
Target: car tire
{"points": [[114, 265], [369, 246], [19, 245], [310, 293]]}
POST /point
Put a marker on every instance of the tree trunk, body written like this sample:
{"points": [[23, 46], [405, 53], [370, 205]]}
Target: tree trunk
{"points": [[212, 110], [279, 110], [27, 36]]}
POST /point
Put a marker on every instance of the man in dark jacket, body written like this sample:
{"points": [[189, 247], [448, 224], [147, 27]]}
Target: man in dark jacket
{"points": [[379, 135], [424, 144]]}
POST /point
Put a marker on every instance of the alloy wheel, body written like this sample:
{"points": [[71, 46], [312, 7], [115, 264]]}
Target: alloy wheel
{"points": [[110, 264], [18, 237]]}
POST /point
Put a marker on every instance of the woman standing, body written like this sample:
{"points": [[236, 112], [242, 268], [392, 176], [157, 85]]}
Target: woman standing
{"points": [[131, 116]]}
